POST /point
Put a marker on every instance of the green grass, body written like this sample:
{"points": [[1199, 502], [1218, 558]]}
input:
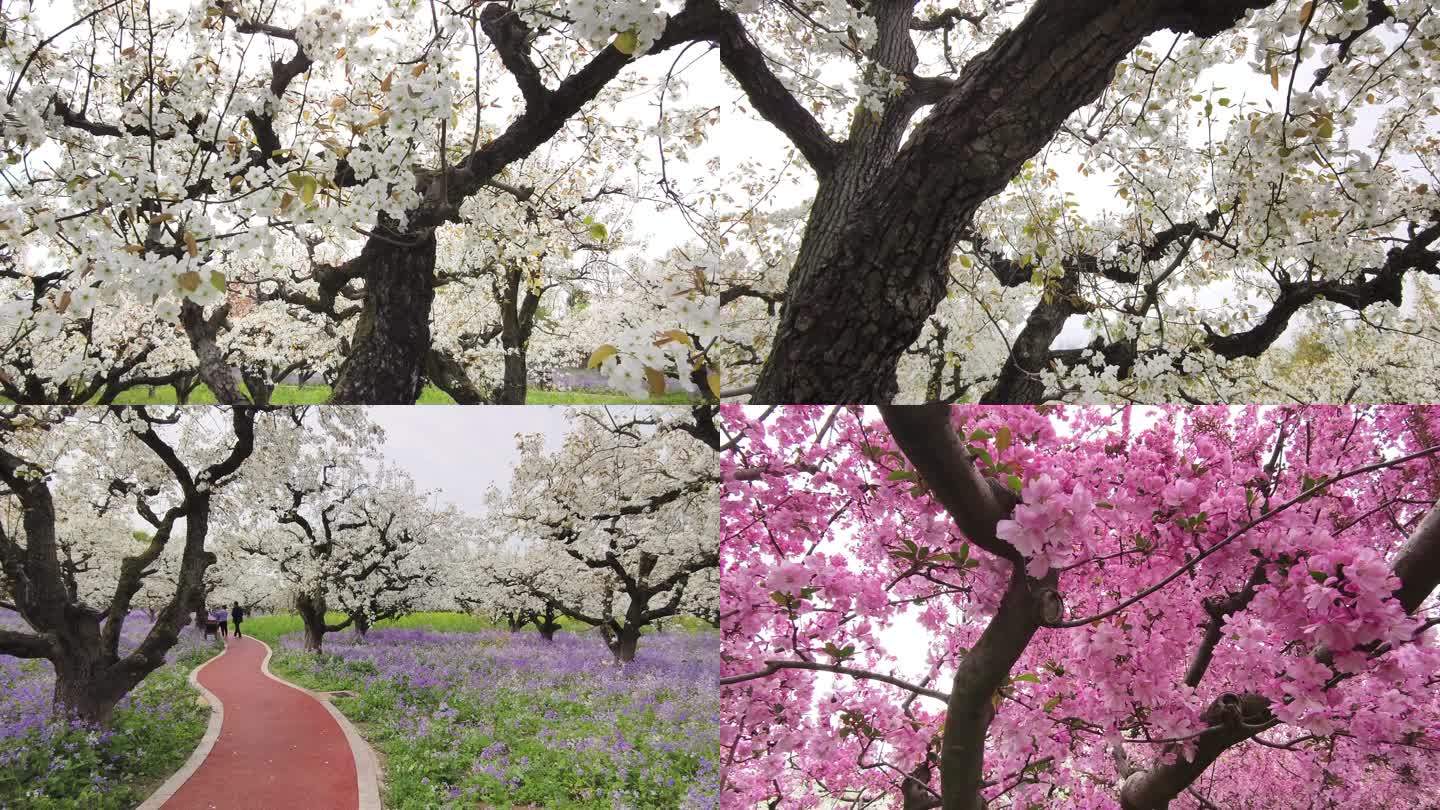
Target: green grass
{"points": [[319, 394], [270, 628], [552, 737]]}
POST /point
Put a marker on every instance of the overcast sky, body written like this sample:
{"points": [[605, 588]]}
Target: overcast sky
{"points": [[463, 450]]}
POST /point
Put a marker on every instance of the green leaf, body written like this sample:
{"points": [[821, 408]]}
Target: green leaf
{"points": [[1002, 438], [1028, 677], [599, 232], [1013, 481], [1052, 703], [901, 475]]}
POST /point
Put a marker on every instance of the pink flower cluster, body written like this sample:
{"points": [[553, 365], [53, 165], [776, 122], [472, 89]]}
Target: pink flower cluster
{"points": [[836, 552], [1049, 524]]}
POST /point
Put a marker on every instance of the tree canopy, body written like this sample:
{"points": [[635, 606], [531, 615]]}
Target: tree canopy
{"points": [[1017, 607], [997, 200]]}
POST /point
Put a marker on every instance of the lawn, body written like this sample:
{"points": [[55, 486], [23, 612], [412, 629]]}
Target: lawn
{"points": [[47, 763], [485, 717], [270, 628], [319, 394]]}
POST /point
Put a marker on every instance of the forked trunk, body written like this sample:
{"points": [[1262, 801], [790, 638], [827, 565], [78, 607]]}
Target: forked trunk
{"points": [[624, 644], [386, 361], [211, 366], [873, 263]]}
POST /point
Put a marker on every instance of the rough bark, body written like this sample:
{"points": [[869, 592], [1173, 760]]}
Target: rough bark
{"points": [[211, 366], [312, 615], [88, 688], [517, 322], [547, 623], [872, 264], [83, 643], [625, 644], [448, 374], [392, 333]]}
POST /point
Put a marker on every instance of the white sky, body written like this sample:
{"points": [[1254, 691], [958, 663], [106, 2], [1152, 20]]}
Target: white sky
{"points": [[463, 450]]}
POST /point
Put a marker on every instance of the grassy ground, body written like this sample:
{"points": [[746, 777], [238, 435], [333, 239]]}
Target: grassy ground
{"points": [[270, 628], [318, 394], [466, 719], [151, 736]]}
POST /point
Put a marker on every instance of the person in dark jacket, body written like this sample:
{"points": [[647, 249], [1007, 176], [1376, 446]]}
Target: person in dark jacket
{"points": [[237, 614]]}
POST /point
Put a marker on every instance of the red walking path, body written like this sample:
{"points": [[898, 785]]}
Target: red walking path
{"points": [[278, 746]]}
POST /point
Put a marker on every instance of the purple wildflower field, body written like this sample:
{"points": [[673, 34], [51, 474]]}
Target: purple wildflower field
{"points": [[507, 719], [48, 761]]}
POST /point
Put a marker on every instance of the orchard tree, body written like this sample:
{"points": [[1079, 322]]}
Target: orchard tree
{"points": [[1015, 607], [502, 271], [617, 526], [67, 469], [91, 356], [1181, 183], [161, 145], [350, 538], [494, 581]]}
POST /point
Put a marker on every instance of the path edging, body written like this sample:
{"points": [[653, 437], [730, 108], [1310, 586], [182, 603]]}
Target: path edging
{"points": [[163, 793], [367, 769]]}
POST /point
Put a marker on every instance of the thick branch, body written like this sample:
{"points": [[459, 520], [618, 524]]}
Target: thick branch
{"points": [[748, 65], [926, 437]]}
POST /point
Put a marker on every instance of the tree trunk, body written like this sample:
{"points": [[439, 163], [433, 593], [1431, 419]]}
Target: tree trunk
{"points": [[312, 613], [386, 361], [514, 387], [260, 386], [212, 368], [362, 624], [85, 690], [547, 623], [625, 644], [872, 265], [448, 374]]}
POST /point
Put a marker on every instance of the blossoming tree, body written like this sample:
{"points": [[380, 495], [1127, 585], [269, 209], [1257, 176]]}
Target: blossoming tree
{"points": [[68, 475], [349, 535], [1185, 181], [164, 152], [616, 528], [1018, 607]]}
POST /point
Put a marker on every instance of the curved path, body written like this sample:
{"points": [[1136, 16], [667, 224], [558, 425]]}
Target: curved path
{"points": [[270, 745]]}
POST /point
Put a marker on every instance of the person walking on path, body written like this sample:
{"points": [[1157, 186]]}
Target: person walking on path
{"points": [[222, 618], [237, 614]]}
